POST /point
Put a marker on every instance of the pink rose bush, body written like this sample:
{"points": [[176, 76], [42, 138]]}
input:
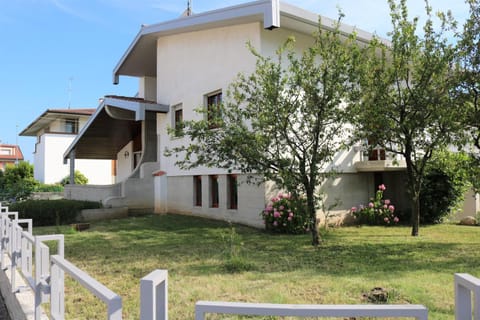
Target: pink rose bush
{"points": [[379, 211], [284, 214]]}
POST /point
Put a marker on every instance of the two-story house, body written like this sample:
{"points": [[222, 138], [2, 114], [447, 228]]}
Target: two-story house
{"points": [[55, 129], [181, 65]]}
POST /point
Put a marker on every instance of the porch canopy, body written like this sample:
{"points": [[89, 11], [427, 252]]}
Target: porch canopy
{"points": [[111, 127]]}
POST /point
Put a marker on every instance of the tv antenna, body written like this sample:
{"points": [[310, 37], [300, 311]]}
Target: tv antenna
{"points": [[189, 8], [70, 91]]}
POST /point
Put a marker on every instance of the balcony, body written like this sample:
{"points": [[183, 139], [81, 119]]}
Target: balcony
{"points": [[377, 160]]}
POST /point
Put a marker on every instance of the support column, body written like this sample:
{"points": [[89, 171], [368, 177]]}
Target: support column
{"points": [[72, 167]]}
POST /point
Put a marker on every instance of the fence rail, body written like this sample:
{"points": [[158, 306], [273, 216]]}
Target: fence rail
{"points": [[418, 312]]}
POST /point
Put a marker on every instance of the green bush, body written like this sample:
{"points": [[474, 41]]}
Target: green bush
{"points": [[51, 212], [17, 182], [49, 187], [78, 177], [444, 186]]}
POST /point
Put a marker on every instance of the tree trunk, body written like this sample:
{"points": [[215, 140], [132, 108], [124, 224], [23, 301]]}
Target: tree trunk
{"points": [[312, 212], [415, 214]]}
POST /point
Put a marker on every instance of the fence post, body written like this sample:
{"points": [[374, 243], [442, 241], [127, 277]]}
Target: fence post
{"points": [[154, 296], [57, 293]]}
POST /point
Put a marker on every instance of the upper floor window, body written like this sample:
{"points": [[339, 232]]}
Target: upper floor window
{"points": [[6, 151], [71, 126], [177, 122], [213, 109]]}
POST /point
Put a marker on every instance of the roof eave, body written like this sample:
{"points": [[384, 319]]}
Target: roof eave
{"points": [[268, 10]]}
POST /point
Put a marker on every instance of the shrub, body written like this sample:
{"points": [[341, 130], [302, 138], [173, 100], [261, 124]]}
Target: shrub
{"points": [[57, 187], [445, 183], [285, 214], [378, 211], [51, 212], [78, 177]]}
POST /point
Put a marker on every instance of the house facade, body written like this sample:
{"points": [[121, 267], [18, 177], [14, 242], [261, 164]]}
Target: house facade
{"points": [[9, 154], [190, 62], [55, 129]]}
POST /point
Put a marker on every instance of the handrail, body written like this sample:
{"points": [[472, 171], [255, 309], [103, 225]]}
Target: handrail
{"points": [[113, 301], [419, 312]]}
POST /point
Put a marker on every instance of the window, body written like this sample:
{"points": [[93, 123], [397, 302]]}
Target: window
{"points": [[232, 193], [213, 191], [197, 190], [71, 126], [177, 122], [213, 109]]}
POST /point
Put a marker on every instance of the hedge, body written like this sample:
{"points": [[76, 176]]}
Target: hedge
{"points": [[51, 212]]}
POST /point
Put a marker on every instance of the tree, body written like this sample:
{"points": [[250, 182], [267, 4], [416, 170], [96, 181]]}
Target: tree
{"points": [[18, 181], [283, 122], [404, 100], [468, 90]]}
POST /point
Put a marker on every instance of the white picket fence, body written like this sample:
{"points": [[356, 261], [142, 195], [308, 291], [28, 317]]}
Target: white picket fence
{"points": [[18, 244]]}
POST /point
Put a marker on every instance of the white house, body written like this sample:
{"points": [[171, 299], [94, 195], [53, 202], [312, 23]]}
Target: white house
{"points": [[187, 62], [55, 129]]}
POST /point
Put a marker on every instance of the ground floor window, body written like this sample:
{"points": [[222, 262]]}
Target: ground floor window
{"points": [[232, 193], [213, 179], [197, 190]]}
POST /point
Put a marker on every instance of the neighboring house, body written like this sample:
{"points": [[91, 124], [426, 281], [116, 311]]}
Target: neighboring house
{"points": [[9, 153], [188, 62], [55, 129]]}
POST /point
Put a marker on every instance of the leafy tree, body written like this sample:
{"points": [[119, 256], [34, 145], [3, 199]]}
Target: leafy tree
{"points": [[468, 90], [405, 103], [79, 178], [283, 122], [18, 181]]}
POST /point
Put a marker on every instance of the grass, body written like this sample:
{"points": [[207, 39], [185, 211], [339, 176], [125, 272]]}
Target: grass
{"points": [[271, 268]]}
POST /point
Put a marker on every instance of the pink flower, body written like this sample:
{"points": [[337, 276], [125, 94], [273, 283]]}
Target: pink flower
{"points": [[385, 206], [391, 208], [274, 199], [275, 223], [280, 195], [281, 207], [382, 187], [386, 201], [290, 214], [353, 209], [289, 218], [276, 214], [396, 219], [371, 205], [386, 220]]}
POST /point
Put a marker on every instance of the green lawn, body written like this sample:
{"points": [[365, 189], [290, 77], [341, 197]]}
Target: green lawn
{"points": [[284, 269]]}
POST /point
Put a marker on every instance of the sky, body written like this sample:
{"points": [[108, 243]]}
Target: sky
{"points": [[56, 54]]}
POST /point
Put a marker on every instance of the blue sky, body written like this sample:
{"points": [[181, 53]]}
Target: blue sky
{"points": [[56, 53]]}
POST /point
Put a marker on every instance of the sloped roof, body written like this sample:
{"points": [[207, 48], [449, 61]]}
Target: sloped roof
{"points": [[17, 153], [111, 127], [51, 115], [140, 58]]}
